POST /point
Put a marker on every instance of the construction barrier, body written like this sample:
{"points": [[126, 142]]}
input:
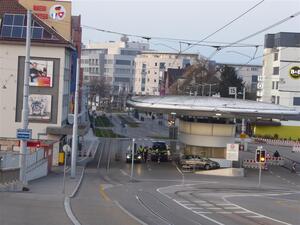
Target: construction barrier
{"points": [[296, 148], [277, 142], [275, 161], [252, 164]]}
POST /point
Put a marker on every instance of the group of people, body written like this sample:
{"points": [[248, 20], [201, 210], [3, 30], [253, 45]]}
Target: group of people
{"points": [[144, 151]]}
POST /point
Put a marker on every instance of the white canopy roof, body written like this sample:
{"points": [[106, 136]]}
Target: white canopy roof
{"points": [[211, 106]]}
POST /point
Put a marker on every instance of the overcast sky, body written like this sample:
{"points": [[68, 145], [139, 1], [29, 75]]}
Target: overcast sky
{"points": [[188, 19]]}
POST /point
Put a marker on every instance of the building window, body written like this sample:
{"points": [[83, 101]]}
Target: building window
{"points": [[155, 64], [254, 69], [162, 65], [254, 78], [154, 80], [278, 99], [143, 80], [275, 70], [123, 62], [277, 82], [275, 56], [273, 85], [273, 98], [296, 101]]}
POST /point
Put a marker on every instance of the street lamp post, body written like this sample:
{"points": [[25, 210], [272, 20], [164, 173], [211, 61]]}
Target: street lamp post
{"points": [[132, 159], [25, 110]]}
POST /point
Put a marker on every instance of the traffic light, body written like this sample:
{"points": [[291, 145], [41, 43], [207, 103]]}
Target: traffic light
{"points": [[263, 156], [257, 155]]}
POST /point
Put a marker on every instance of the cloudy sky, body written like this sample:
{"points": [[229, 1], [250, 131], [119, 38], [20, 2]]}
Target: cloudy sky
{"points": [[190, 20]]}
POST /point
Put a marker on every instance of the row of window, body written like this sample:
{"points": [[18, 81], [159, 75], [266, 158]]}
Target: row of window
{"points": [[276, 100]]}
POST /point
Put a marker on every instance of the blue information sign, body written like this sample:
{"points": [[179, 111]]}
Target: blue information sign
{"points": [[24, 134]]}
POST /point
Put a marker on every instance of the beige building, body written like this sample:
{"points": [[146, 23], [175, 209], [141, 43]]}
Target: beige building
{"points": [[150, 68], [280, 82]]}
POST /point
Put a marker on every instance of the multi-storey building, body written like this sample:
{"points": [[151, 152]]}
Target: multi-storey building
{"points": [[150, 68], [112, 60], [280, 83], [50, 70]]}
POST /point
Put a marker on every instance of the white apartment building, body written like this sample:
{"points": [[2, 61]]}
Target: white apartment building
{"points": [[112, 60], [280, 81], [249, 73], [150, 68]]}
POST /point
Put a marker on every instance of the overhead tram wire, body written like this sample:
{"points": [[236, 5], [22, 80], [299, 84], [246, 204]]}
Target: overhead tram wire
{"points": [[226, 25]]}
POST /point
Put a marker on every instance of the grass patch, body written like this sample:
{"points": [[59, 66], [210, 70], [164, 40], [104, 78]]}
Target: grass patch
{"points": [[159, 137], [106, 133], [129, 121], [103, 121]]}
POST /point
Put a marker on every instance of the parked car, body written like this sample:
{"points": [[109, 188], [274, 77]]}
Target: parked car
{"points": [[137, 157], [197, 162]]}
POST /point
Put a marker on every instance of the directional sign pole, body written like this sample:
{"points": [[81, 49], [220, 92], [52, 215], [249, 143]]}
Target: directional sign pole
{"points": [[132, 159], [25, 110]]}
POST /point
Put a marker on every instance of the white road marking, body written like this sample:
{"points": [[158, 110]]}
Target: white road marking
{"points": [[255, 213], [200, 212], [206, 204], [224, 204], [255, 216], [225, 212], [212, 220], [235, 207], [200, 201], [241, 212], [214, 208], [193, 208], [124, 173]]}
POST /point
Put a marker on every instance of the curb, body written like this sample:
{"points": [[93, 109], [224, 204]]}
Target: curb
{"points": [[67, 201]]}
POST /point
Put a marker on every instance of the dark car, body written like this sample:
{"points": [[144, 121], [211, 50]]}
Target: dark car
{"points": [[197, 162], [137, 157], [159, 150]]}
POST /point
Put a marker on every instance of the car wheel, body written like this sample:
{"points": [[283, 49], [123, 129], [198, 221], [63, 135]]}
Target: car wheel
{"points": [[207, 167]]}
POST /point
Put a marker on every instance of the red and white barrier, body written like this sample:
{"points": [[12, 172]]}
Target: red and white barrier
{"points": [[278, 142]]}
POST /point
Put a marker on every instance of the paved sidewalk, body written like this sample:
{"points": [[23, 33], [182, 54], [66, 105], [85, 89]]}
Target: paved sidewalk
{"points": [[53, 183]]}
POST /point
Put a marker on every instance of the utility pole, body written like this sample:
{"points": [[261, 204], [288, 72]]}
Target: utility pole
{"points": [[132, 159], [25, 110], [243, 120], [75, 125]]}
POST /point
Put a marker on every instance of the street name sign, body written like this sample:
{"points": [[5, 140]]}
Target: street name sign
{"points": [[232, 90], [24, 134]]}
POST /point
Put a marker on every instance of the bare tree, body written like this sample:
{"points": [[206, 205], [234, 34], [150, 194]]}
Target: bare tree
{"points": [[196, 76], [98, 87]]}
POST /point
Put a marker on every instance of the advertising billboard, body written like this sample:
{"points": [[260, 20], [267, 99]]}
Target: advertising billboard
{"points": [[41, 73], [39, 107]]}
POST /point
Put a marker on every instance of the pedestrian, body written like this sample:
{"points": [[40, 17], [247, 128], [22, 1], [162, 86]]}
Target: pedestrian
{"points": [[276, 154], [293, 169]]}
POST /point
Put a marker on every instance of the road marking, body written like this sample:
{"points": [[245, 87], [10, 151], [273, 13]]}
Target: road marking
{"points": [[124, 173], [255, 216], [235, 207], [103, 193], [255, 213], [224, 204], [212, 220], [200, 201], [241, 212], [225, 212], [214, 208], [193, 208], [206, 204], [201, 212]]}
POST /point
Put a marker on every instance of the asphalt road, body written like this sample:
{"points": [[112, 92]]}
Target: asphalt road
{"points": [[159, 194]]}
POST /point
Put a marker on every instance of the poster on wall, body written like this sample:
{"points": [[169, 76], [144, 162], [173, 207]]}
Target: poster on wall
{"points": [[39, 107], [41, 73]]}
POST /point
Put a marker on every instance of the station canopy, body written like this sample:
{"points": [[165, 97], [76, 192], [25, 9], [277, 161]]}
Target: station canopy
{"points": [[212, 107]]}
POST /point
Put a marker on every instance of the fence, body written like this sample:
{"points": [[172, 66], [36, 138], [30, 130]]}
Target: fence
{"points": [[277, 142]]}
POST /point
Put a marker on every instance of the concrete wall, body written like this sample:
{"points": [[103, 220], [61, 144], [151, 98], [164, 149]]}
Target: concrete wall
{"points": [[206, 134]]}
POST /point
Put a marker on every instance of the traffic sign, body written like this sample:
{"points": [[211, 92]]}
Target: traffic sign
{"points": [[232, 152], [24, 134], [232, 90]]}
